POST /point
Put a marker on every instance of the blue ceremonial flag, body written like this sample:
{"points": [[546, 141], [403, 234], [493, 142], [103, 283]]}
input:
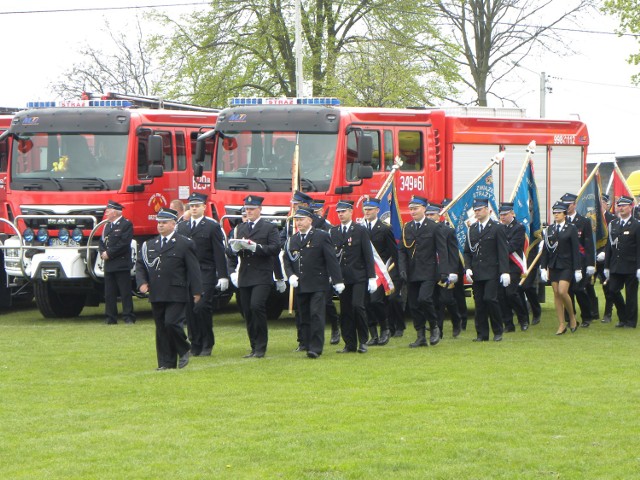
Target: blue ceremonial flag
{"points": [[588, 205], [527, 207], [461, 208], [390, 209]]}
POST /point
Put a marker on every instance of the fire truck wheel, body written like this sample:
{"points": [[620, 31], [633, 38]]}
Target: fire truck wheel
{"points": [[57, 305]]}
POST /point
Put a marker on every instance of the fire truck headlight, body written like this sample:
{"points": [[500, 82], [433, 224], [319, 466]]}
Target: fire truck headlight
{"points": [[43, 235], [63, 235], [28, 235], [76, 235]]}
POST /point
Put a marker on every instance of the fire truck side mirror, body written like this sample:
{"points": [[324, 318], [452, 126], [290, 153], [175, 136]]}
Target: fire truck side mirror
{"points": [[365, 171], [198, 159], [156, 153], [155, 171], [365, 151]]}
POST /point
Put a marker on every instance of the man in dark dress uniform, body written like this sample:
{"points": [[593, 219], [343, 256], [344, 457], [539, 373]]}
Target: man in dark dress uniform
{"points": [[354, 251], [385, 244], [115, 251], [257, 245], [583, 291], [210, 250], [167, 269], [509, 297], [459, 290], [309, 262], [610, 299], [486, 258], [622, 261], [423, 260]]}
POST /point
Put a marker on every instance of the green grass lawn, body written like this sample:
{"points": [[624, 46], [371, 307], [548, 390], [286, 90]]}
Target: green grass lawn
{"points": [[81, 400]]}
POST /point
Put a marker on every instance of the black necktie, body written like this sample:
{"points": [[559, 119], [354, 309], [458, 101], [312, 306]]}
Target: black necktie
{"points": [[303, 236], [418, 225], [344, 230], [250, 226], [369, 225], [164, 243], [193, 225], [479, 228]]}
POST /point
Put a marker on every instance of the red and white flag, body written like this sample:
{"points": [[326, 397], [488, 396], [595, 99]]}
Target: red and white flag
{"points": [[382, 273]]}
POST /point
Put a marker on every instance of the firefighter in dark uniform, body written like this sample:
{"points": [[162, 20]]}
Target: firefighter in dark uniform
{"points": [[610, 300], [257, 245], [509, 297], [115, 251], [310, 263], [423, 262], [167, 269], [210, 250], [385, 244], [459, 291], [622, 260], [354, 251], [583, 291], [444, 293], [486, 258]]}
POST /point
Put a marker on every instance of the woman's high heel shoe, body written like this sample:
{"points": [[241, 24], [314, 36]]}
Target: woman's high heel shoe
{"points": [[563, 331], [573, 329]]}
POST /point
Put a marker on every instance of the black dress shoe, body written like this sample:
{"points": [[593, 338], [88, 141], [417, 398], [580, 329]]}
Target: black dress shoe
{"points": [[362, 348], [372, 341], [129, 322], [345, 350], [249, 355], [183, 360], [586, 323], [562, 332], [524, 327], [258, 355], [621, 325], [335, 337], [480, 339], [162, 369], [573, 329], [497, 338], [435, 336], [606, 319], [509, 329], [535, 321], [384, 337], [398, 333], [626, 325], [456, 332], [301, 348], [206, 352], [313, 355], [114, 322]]}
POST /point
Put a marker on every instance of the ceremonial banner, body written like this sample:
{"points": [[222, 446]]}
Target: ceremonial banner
{"points": [[526, 205], [588, 205]]}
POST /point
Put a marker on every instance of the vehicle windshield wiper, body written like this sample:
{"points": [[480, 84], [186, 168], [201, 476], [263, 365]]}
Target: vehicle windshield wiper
{"points": [[102, 182], [261, 182], [311, 184], [53, 179]]}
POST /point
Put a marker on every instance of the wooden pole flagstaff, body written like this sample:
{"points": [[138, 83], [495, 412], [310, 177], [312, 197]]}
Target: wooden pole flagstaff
{"points": [[295, 185]]}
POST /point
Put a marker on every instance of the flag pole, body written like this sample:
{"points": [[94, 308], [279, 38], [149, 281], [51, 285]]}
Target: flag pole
{"points": [[531, 267], [531, 149], [295, 185], [586, 182], [397, 163], [624, 180]]}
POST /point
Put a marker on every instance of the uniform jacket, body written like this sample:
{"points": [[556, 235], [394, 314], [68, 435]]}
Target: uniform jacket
{"points": [[173, 273], [515, 241], [423, 252], [257, 268], [585, 238], [564, 256], [313, 260], [354, 253], [452, 247], [210, 248], [385, 244], [116, 241], [608, 217], [623, 247], [486, 253]]}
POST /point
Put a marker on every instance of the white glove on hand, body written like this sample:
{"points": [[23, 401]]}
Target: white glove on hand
{"points": [[223, 284], [607, 272], [505, 280], [251, 245], [372, 285], [236, 246], [544, 275], [234, 278], [578, 275], [469, 275], [453, 277], [638, 274], [293, 281], [600, 257], [339, 288], [591, 270], [281, 286]]}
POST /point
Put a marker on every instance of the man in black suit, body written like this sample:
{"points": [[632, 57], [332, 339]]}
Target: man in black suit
{"points": [[622, 260], [257, 245], [610, 300], [385, 244], [509, 297], [167, 269], [354, 251], [423, 260], [486, 258], [210, 250], [583, 290], [115, 251], [310, 263]]}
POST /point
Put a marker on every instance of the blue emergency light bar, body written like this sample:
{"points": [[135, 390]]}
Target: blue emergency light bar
{"points": [[235, 101], [81, 103]]}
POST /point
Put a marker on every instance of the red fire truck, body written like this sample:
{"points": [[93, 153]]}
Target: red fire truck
{"points": [[65, 162]]}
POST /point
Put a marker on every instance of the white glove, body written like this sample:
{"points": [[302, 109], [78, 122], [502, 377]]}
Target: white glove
{"points": [[638, 274], [578, 275], [591, 270], [372, 285], [251, 245], [236, 246], [339, 288], [234, 278], [544, 275], [607, 272], [600, 257], [293, 281], [453, 277], [505, 280], [223, 284], [469, 275], [281, 286]]}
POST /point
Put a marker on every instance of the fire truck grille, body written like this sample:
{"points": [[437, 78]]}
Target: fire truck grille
{"points": [[46, 218]]}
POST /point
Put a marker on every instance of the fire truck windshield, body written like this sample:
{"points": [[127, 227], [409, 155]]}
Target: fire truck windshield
{"points": [[264, 160], [70, 162]]}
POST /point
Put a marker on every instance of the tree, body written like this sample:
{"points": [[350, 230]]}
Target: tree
{"points": [[628, 14], [494, 36]]}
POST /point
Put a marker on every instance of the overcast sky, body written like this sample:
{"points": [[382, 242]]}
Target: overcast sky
{"points": [[593, 85]]}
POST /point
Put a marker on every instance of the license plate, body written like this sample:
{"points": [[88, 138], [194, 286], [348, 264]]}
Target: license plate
{"points": [[56, 242]]}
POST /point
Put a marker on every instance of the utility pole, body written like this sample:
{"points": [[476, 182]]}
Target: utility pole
{"points": [[298, 38], [543, 93]]}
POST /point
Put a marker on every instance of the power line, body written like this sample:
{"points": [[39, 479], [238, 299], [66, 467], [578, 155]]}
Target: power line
{"points": [[602, 84], [101, 9]]}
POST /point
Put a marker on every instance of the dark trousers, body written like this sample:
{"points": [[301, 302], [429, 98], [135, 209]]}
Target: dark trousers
{"points": [[118, 283], [254, 309], [446, 300], [579, 294], [200, 325], [171, 341], [511, 302], [353, 315], [610, 299], [629, 282], [312, 308], [331, 313], [530, 294], [420, 296], [395, 308], [377, 311], [485, 296]]}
